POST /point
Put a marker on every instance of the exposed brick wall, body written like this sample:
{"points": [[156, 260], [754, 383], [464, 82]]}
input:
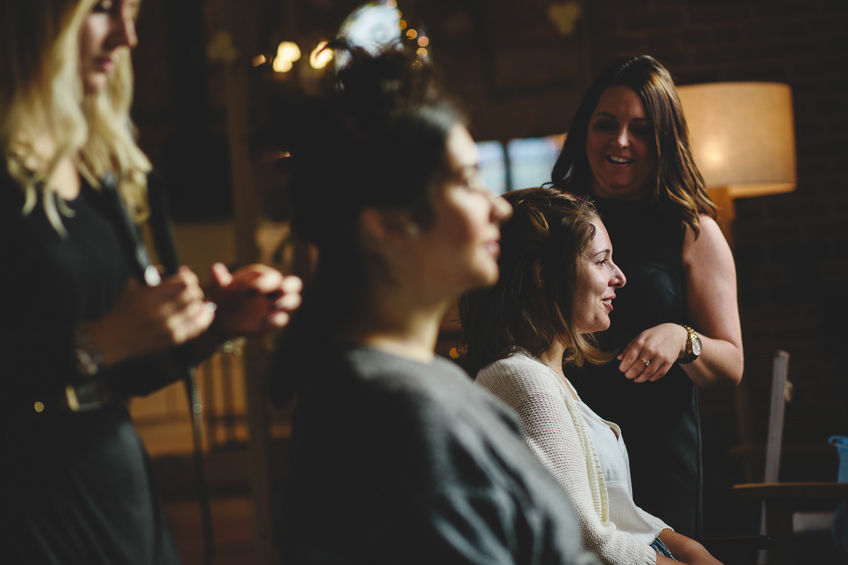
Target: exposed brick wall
{"points": [[791, 250]]}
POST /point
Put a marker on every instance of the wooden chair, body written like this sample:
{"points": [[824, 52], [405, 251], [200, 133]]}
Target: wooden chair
{"points": [[782, 501]]}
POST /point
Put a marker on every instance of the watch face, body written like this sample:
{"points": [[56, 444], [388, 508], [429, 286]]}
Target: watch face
{"points": [[696, 346]]}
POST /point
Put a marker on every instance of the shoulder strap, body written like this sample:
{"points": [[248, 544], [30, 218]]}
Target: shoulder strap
{"points": [[127, 231], [160, 225]]}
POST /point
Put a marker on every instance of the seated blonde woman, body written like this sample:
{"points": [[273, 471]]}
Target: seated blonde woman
{"points": [[558, 282]]}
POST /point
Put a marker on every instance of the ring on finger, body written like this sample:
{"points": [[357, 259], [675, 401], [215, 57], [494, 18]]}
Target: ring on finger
{"points": [[645, 361]]}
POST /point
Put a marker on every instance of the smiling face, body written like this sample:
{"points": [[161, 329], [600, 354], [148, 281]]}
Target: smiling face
{"points": [[109, 27], [620, 146], [597, 279], [461, 248]]}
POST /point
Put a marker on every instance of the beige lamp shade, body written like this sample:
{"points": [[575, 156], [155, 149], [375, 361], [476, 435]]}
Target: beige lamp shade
{"points": [[742, 136]]}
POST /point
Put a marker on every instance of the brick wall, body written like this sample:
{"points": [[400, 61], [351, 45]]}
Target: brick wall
{"points": [[791, 250]]}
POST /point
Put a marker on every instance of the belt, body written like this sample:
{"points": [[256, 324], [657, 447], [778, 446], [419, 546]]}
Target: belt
{"points": [[79, 398]]}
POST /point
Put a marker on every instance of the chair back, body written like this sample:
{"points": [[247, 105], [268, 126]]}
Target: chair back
{"points": [[781, 393]]}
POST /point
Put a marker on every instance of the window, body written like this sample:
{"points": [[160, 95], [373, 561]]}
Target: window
{"points": [[521, 163]]}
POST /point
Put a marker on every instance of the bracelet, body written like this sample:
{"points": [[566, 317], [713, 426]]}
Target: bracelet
{"points": [[89, 359]]}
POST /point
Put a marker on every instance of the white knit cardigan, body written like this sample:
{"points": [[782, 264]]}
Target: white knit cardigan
{"points": [[555, 431]]}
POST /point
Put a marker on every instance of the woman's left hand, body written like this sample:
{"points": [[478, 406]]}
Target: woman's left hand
{"points": [[686, 550], [652, 353], [709, 279], [252, 300]]}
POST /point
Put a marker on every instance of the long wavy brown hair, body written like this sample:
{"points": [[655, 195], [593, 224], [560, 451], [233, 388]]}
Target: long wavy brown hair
{"points": [[677, 182], [550, 229]]}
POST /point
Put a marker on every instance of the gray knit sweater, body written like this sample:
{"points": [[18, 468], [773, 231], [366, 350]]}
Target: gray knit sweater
{"points": [[395, 461]]}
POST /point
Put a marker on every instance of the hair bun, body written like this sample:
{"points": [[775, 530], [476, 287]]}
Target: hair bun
{"points": [[374, 137]]}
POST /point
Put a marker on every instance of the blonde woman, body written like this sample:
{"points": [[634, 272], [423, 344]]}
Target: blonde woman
{"points": [[82, 314]]}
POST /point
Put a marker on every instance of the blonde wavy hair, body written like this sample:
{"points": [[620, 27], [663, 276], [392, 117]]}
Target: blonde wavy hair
{"points": [[45, 116]]}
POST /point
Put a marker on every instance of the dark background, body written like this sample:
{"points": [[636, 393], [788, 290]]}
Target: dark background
{"points": [[517, 76]]}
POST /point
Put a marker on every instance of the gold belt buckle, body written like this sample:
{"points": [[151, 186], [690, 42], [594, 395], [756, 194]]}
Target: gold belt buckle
{"points": [[71, 398], [89, 396]]}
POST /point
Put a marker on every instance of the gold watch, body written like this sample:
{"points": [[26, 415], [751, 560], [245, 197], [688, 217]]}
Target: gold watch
{"points": [[693, 345]]}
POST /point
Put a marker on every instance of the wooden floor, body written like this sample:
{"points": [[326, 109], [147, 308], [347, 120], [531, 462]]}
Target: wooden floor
{"points": [[232, 523], [232, 514], [234, 535], [163, 424]]}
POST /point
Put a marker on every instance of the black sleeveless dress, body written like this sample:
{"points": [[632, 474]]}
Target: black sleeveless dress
{"points": [[659, 420]]}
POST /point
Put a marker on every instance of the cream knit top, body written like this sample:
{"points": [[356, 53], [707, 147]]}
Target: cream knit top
{"points": [[557, 433]]}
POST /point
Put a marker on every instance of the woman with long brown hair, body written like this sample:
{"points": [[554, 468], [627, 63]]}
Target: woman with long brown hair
{"points": [[676, 324], [558, 284]]}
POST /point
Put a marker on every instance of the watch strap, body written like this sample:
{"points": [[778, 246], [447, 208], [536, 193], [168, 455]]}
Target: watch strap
{"points": [[88, 357], [690, 338]]}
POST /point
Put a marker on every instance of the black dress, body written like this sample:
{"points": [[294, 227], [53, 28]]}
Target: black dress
{"points": [[74, 487], [659, 420], [397, 461]]}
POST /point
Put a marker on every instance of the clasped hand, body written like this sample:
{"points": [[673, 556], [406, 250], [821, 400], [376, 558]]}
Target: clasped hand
{"points": [[149, 319], [652, 353], [252, 300]]}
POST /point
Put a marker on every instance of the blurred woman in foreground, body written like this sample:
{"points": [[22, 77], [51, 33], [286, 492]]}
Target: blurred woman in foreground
{"points": [[396, 456]]}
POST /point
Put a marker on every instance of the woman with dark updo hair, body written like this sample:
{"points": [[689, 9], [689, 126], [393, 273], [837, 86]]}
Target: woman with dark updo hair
{"points": [[396, 456]]}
